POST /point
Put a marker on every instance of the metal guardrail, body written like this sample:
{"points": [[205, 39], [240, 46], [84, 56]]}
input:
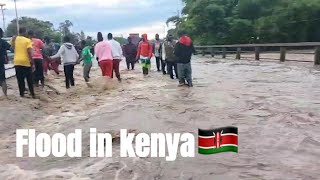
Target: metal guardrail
{"points": [[223, 49]]}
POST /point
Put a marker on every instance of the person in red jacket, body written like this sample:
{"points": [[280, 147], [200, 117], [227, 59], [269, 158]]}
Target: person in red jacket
{"points": [[144, 54]]}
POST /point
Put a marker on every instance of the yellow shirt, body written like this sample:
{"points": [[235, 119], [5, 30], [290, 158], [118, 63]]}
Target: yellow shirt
{"points": [[21, 56]]}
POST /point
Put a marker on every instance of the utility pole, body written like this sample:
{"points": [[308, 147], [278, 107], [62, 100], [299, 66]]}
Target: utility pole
{"points": [[2, 11], [178, 8], [17, 18]]}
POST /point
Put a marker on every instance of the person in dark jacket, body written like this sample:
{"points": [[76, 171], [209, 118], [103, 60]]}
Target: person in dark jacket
{"points": [[184, 50], [4, 46], [130, 52], [169, 56]]}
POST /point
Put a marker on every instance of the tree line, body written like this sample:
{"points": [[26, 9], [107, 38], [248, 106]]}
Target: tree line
{"points": [[249, 21], [46, 28]]}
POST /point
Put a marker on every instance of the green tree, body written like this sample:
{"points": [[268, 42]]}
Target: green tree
{"points": [[41, 28], [65, 27], [238, 21], [82, 36], [121, 40]]}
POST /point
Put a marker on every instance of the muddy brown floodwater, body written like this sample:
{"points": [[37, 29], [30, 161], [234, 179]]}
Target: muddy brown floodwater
{"points": [[276, 107]]}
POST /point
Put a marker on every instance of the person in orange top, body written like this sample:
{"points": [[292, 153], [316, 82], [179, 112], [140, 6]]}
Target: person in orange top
{"points": [[145, 54], [37, 57]]}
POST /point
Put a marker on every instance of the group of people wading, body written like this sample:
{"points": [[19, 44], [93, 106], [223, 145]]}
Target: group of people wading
{"points": [[33, 57], [173, 58]]}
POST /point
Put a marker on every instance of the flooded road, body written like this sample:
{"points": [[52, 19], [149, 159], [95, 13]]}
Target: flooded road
{"points": [[276, 107]]}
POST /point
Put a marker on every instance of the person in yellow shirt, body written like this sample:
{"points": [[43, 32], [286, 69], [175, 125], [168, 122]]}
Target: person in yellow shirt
{"points": [[22, 61]]}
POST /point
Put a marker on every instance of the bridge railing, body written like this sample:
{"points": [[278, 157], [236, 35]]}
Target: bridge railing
{"points": [[256, 49]]}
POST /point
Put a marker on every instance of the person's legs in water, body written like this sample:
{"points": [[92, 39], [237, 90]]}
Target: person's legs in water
{"points": [[148, 66], [3, 83], [41, 75], [38, 73], [109, 68], [4, 87], [158, 63], [89, 72], [66, 74], [188, 72], [55, 66], [20, 79], [181, 74], [35, 74], [28, 73], [71, 75], [163, 67], [170, 70], [101, 65], [86, 71], [116, 64], [167, 68], [145, 70], [45, 66], [128, 64], [106, 67], [143, 64], [176, 70]]}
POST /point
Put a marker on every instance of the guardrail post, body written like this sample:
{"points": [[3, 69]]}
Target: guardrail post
{"points": [[223, 52], [238, 56], [203, 52], [257, 53], [283, 54], [317, 56], [212, 52]]}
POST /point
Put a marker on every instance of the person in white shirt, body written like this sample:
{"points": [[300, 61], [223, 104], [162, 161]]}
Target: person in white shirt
{"points": [[116, 54]]}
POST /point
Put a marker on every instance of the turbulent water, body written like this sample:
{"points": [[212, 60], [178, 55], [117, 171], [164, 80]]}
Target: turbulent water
{"points": [[276, 107]]}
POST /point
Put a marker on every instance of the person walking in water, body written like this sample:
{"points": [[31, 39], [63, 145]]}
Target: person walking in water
{"points": [[157, 51], [184, 50], [169, 56], [4, 46], [37, 56], [86, 57], [69, 55], [23, 62], [130, 52], [116, 55], [103, 51], [49, 50], [145, 54]]}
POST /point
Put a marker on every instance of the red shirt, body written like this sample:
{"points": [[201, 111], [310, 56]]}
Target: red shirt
{"points": [[37, 45], [145, 49]]}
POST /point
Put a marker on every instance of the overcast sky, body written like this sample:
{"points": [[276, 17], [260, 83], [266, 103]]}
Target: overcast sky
{"points": [[116, 16]]}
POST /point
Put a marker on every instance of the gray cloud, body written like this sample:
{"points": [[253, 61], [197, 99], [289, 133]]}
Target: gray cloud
{"points": [[92, 17]]}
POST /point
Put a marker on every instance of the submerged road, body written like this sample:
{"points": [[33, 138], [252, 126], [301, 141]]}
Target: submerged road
{"points": [[276, 107]]}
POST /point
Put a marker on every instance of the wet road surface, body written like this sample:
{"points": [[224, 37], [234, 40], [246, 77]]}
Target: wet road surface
{"points": [[276, 107]]}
